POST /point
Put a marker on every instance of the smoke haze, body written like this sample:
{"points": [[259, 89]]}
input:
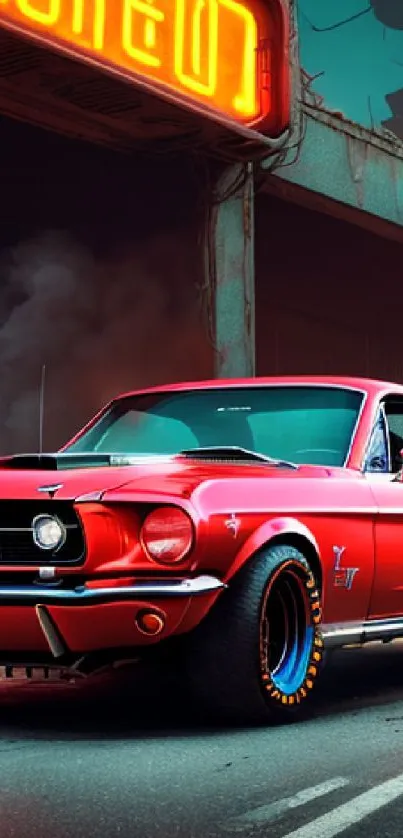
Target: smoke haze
{"points": [[100, 326]]}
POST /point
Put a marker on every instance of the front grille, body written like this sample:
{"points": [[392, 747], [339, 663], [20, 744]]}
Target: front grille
{"points": [[17, 546]]}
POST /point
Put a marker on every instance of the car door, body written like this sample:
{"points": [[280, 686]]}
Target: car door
{"points": [[382, 467]]}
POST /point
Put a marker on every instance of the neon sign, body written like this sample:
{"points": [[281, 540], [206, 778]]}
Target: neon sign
{"points": [[226, 56]]}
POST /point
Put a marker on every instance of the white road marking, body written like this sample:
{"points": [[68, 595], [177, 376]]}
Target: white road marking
{"points": [[271, 811], [348, 814]]}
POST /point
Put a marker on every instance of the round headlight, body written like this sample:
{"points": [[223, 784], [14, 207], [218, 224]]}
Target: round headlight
{"points": [[48, 532]]}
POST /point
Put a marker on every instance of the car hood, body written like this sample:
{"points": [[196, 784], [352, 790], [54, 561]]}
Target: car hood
{"points": [[73, 476]]}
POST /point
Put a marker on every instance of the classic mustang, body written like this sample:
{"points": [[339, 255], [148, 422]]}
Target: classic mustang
{"points": [[242, 526]]}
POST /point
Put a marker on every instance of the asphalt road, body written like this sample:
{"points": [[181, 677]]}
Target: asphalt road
{"points": [[102, 763]]}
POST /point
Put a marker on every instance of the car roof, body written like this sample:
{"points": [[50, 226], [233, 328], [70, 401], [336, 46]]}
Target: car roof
{"points": [[369, 386]]}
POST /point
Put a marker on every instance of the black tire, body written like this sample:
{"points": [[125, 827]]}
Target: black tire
{"points": [[232, 666]]}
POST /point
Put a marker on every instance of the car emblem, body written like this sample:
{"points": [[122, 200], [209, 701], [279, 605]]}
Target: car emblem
{"points": [[343, 576], [50, 490], [233, 524]]}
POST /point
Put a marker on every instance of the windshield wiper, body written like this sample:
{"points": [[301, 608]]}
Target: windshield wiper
{"points": [[235, 452]]}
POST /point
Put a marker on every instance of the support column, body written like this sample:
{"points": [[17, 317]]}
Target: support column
{"points": [[231, 272]]}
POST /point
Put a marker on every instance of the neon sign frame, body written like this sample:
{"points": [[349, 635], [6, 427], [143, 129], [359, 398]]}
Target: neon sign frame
{"points": [[226, 59]]}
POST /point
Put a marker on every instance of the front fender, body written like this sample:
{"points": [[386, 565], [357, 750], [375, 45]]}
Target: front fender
{"points": [[264, 534]]}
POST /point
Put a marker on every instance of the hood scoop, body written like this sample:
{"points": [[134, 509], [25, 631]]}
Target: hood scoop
{"points": [[58, 462]]}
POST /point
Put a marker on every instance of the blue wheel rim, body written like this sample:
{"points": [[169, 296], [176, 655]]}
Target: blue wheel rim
{"points": [[289, 632]]}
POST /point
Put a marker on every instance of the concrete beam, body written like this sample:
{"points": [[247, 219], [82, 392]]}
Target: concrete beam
{"points": [[344, 175]]}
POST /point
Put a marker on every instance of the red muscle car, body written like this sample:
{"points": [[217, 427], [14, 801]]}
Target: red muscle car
{"points": [[243, 525]]}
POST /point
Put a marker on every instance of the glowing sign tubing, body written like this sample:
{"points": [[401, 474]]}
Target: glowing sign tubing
{"points": [[230, 56], [99, 21], [47, 17]]}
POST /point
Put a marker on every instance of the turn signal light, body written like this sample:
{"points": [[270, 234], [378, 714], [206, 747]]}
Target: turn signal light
{"points": [[167, 535], [149, 622]]}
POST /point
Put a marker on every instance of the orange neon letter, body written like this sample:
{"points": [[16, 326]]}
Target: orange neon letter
{"points": [[141, 16], [245, 100], [47, 18], [203, 61], [79, 21]]}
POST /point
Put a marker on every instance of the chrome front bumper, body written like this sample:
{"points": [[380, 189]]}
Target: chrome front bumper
{"points": [[47, 595]]}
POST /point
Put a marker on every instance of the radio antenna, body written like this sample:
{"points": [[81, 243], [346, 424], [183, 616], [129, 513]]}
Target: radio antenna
{"points": [[41, 408]]}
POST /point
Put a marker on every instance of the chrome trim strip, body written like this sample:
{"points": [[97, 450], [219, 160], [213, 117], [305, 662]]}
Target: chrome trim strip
{"points": [[343, 634], [336, 635], [384, 626], [393, 510], [42, 594]]}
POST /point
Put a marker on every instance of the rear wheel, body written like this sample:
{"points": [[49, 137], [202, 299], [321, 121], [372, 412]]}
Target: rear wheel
{"points": [[259, 651]]}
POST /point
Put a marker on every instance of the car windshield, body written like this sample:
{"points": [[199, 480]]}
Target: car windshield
{"points": [[302, 424]]}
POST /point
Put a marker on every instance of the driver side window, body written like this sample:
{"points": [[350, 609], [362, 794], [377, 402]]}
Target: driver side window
{"points": [[394, 421], [386, 443], [377, 459]]}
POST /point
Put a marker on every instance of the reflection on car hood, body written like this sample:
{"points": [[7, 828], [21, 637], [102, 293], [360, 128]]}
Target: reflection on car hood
{"points": [[72, 476]]}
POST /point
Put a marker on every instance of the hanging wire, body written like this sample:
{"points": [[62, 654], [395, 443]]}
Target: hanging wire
{"points": [[339, 23]]}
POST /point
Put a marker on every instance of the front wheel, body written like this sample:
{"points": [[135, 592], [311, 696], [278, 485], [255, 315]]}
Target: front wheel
{"points": [[259, 650]]}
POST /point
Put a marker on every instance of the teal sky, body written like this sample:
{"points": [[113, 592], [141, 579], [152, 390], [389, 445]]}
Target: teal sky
{"points": [[361, 61]]}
